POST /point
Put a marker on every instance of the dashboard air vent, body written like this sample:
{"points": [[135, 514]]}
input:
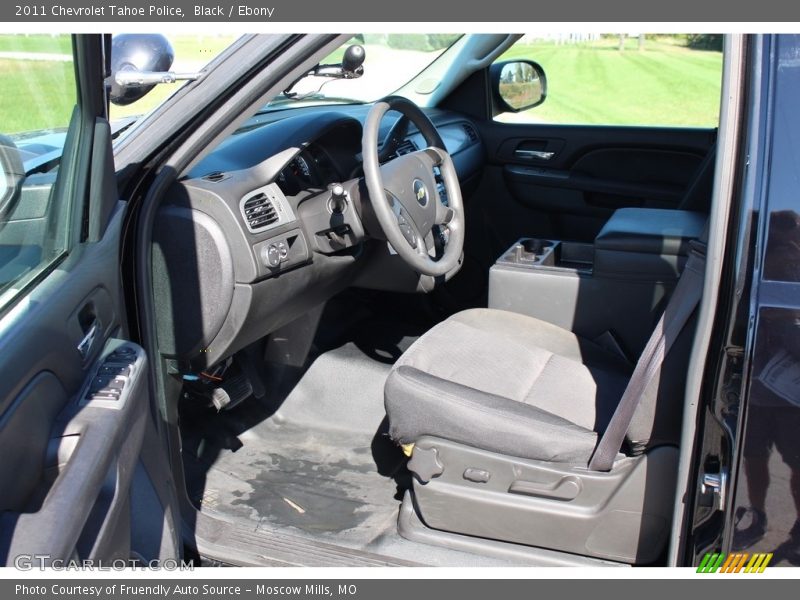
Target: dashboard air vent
{"points": [[259, 211], [471, 133], [215, 176], [405, 147]]}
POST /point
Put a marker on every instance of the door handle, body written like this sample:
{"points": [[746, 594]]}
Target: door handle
{"points": [[534, 154], [87, 342]]}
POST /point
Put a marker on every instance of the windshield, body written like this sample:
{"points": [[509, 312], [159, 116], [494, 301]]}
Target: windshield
{"points": [[392, 60], [37, 73]]}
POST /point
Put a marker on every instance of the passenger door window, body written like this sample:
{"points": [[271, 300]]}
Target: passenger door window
{"points": [[628, 79]]}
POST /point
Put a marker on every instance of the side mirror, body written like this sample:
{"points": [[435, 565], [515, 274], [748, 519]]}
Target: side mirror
{"points": [[12, 176], [135, 59], [518, 85]]}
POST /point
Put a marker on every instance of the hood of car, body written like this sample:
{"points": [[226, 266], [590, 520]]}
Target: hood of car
{"points": [[40, 147]]}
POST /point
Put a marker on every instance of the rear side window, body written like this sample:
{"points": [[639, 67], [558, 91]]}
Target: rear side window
{"points": [[627, 79]]}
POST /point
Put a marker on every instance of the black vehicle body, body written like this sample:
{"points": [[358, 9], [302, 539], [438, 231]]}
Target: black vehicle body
{"points": [[749, 427]]}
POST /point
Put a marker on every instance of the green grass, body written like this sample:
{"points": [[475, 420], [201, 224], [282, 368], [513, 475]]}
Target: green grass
{"points": [[664, 84], [197, 50], [35, 95], [38, 94], [200, 47], [54, 44]]}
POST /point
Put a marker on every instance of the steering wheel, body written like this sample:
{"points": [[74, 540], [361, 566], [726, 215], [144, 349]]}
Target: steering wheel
{"points": [[404, 194]]}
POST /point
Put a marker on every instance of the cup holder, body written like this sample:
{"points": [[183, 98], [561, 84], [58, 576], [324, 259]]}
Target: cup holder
{"points": [[536, 253], [530, 251], [535, 246]]}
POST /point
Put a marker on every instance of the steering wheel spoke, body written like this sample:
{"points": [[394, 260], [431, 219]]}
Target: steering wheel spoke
{"points": [[435, 155], [444, 215], [416, 239], [415, 206], [407, 228]]}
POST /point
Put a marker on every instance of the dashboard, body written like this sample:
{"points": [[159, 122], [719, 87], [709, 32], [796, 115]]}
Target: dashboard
{"points": [[276, 220], [299, 174], [311, 168]]}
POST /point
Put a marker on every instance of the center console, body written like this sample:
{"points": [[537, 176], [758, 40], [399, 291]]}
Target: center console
{"points": [[548, 254], [612, 291]]}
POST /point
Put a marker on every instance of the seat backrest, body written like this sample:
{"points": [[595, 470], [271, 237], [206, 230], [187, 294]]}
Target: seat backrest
{"points": [[649, 411], [698, 194], [657, 419]]}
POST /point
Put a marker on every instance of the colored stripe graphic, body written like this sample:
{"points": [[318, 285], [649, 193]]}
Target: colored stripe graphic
{"points": [[702, 566], [765, 563], [740, 563], [731, 560], [755, 562], [710, 563], [737, 562], [717, 563]]}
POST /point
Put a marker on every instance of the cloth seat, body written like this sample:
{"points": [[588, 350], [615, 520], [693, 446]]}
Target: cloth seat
{"points": [[507, 383]]}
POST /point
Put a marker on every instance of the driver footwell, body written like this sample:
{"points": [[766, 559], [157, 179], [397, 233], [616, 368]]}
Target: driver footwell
{"points": [[312, 460], [304, 467]]}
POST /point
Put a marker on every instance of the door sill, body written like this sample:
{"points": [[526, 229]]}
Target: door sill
{"points": [[233, 543]]}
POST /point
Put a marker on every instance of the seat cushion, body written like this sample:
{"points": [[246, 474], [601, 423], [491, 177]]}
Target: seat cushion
{"points": [[508, 383]]}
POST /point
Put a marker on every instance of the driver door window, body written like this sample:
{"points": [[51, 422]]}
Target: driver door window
{"points": [[38, 93]]}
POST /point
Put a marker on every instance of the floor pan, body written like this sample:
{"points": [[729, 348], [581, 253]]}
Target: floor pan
{"points": [[312, 481]]}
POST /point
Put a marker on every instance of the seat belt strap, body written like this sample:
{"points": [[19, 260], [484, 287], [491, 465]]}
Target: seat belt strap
{"points": [[679, 309]]}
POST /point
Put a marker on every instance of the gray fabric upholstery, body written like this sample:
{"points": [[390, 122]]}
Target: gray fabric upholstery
{"points": [[463, 414], [508, 383], [657, 419]]}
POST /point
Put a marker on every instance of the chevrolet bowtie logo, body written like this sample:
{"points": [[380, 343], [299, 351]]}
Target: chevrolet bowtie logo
{"points": [[420, 192]]}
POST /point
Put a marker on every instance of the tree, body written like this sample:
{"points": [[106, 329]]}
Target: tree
{"points": [[704, 41]]}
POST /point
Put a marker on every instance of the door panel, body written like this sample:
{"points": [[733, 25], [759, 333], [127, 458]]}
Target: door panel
{"points": [[79, 506], [75, 401], [68, 463], [571, 178]]}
